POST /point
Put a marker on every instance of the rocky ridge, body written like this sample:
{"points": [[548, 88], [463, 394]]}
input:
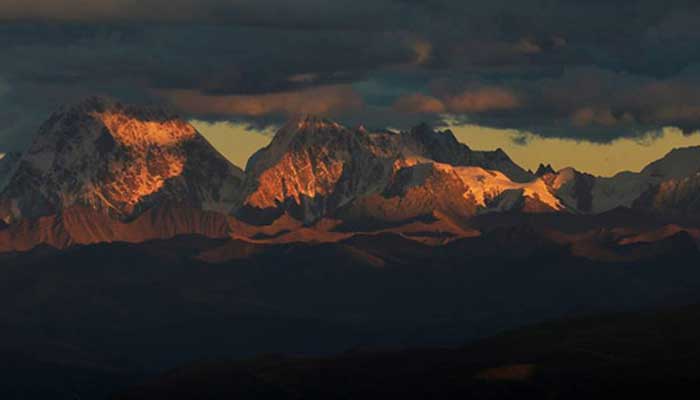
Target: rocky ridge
{"points": [[99, 171]]}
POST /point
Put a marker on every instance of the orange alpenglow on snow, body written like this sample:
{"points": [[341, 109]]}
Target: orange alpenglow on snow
{"points": [[119, 159]]}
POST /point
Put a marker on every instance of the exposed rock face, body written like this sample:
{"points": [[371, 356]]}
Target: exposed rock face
{"points": [[676, 197], [311, 168], [443, 147], [121, 161], [679, 163], [585, 193], [414, 193], [8, 162], [314, 167], [81, 225], [668, 186], [100, 171], [676, 189], [118, 160], [427, 190], [543, 170], [572, 187], [494, 191]]}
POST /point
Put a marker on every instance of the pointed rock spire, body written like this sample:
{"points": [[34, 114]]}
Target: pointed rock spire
{"points": [[543, 170]]}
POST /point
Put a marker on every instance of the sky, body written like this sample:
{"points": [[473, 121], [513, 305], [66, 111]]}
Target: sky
{"points": [[601, 85]]}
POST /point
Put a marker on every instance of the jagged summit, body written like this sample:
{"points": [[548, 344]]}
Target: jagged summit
{"points": [[311, 167], [678, 163], [101, 160], [424, 129], [125, 122], [306, 125], [117, 159], [301, 131], [89, 104], [104, 104], [310, 121], [314, 166], [543, 170]]}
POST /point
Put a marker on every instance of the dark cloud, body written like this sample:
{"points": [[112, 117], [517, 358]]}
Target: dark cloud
{"points": [[45, 66], [591, 70], [298, 14], [470, 101], [586, 103], [323, 100]]}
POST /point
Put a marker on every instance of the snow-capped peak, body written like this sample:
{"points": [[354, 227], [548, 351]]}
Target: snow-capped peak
{"points": [[679, 163], [118, 159]]}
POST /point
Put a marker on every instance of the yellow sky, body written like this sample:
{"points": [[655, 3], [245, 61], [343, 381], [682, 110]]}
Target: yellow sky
{"points": [[238, 144], [234, 141], [597, 159]]}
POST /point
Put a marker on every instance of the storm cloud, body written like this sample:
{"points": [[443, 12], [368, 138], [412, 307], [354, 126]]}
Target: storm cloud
{"points": [[585, 70]]}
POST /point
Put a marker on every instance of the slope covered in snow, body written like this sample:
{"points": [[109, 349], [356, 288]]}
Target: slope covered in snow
{"points": [[8, 162], [589, 194], [677, 197], [485, 186], [100, 171], [314, 167], [119, 160], [679, 163], [421, 189], [666, 186]]}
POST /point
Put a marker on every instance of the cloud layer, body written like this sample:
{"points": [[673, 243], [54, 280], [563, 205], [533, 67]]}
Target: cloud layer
{"points": [[323, 100], [585, 70]]}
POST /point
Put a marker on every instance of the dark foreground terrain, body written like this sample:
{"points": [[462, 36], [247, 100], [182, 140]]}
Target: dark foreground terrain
{"points": [[652, 355], [95, 321]]}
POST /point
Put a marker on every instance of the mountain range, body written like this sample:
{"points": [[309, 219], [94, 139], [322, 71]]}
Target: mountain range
{"points": [[100, 171], [130, 246]]}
